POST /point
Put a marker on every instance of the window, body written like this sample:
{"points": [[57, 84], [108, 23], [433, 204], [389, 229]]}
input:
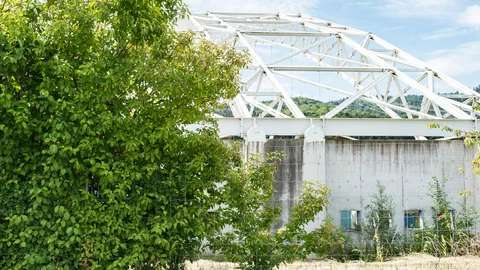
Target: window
{"points": [[349, 219], [413, 219]]}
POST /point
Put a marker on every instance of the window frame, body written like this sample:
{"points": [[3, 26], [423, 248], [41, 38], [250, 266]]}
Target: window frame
{"points": [[353, 219], [419, 222]]}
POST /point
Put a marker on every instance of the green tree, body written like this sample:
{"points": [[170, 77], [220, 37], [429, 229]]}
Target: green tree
{"points": [[378, 225], [250, 241], [96, 167]]}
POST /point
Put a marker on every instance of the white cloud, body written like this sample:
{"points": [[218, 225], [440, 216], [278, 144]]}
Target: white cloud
{"points": [[455, 11], [461, 18], [440, 9], [448, 32], [462, 60], [272, 6], [393, 28], [364, 3], [471, 16], [438, 52], [354, 4]]}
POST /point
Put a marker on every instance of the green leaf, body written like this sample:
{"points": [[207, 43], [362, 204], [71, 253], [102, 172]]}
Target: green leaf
{"points": [[53, 149], [92, 133]]}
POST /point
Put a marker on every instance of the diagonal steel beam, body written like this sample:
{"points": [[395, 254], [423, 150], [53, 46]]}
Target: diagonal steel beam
{"points": [[448, 80], [367, 97], [277, 86], [357, 95], [265, 108], [287, 99], [441, 101]]}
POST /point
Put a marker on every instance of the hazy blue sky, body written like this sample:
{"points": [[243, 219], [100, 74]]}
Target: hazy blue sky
{"points": [[443, 33]]}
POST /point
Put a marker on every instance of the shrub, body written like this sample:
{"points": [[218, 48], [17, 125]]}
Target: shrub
{"points": [[96, 167], [450, 234], [250, 242]]}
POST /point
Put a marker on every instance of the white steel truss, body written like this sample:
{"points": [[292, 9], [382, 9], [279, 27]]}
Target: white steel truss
{"points": [[372, 69]]}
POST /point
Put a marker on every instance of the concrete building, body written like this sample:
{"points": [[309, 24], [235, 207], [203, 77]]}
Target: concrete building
{"points": [[352, 169]]}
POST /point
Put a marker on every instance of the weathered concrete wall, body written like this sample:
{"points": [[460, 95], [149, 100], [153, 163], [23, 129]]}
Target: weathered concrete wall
{"points": [[404, 168], [351, 169], [289, 175]]}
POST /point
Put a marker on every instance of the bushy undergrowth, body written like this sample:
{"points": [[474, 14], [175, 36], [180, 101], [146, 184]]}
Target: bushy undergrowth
{"points": [[450, 234], [250, 242], [253, 245], [329, 241]]}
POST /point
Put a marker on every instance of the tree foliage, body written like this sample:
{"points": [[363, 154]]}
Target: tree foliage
{"points": [[250, 214], [96, 167], [329, 241], [378, 227]]}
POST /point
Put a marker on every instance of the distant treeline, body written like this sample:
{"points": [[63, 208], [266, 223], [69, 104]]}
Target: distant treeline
{"points": [[313, 108]]}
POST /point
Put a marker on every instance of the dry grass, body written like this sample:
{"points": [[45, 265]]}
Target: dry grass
{"points": [[414, 261]]}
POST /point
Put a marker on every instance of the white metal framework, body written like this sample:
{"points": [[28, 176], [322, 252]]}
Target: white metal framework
{"points": [[301, 48]]}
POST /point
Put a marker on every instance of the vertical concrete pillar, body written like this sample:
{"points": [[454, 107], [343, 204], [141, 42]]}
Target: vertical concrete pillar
{"points": [[314, 169], [288, 176], [255, 141], [314, 155]]}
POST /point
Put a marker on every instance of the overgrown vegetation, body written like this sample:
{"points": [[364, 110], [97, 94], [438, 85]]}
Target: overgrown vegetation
{"points": [[329, 241], [451, 233], [247, 211], [253, 245], [96, 168], [380, 237]]}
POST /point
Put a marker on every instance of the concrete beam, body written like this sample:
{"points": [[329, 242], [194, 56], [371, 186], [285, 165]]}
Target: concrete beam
{"points": [[341, 127]]}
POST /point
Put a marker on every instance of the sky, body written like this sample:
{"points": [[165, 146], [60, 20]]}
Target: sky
{"points": [[443, 33]]}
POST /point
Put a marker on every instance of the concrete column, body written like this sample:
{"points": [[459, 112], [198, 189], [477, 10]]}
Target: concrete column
{"points": [[314, 169], [314, 155], [255, 141]]}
